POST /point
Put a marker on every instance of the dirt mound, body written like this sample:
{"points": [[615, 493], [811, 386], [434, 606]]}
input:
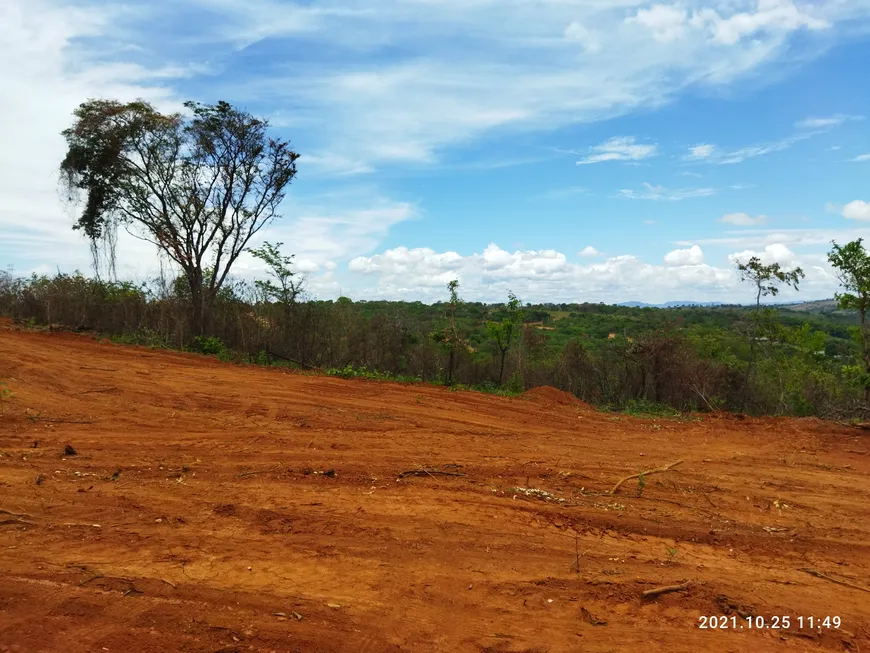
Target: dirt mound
{"points": [[549, 396]]}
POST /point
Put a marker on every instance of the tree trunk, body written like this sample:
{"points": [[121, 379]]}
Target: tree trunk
{"points": [[865, 352], [450, 366], [501, 369], [197, 302]]}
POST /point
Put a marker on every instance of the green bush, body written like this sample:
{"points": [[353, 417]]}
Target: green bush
{"points": [[209, 345]]}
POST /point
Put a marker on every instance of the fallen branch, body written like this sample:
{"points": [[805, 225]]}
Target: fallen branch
{"points": [[3, 511], [4, 522], [658, 591], [57, 420], [427, 472], [292, 360], [647, 473], [87, 392], [818, 574]]}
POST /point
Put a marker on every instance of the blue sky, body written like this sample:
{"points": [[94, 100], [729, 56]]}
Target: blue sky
{"points": [[570, 150]]}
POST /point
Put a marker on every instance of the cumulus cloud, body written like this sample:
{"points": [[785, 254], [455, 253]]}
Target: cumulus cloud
{"points": [[589, 251], [671, 22], [545, 275], [619, 149], [862, 157], [657, 193], [691, 256], [666, 22], [743, 219], [774, 253], [857, 210]]}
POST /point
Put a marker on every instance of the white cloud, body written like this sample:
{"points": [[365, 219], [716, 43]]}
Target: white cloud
{"points": [[700, 152], [589, 251], [708, 153], [651, 192], [772, 16], [578, 33], [862, 157], [671, 22], [857, 210], [619, 149], [47, 75], [545, 275], [824, 122], [761, 238], [666, 22], [774, 253], [691, 256], [743, 219]]}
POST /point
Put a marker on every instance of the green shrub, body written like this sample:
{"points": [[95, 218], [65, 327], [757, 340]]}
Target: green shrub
{"points": [[209, 345]]}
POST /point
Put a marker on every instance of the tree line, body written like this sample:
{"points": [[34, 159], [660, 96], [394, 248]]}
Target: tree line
{"points": [[200, 186]]}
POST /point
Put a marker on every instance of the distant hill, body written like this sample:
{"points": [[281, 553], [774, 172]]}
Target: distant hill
{"points": [[673, 304], [818, 306], [814, 306]]}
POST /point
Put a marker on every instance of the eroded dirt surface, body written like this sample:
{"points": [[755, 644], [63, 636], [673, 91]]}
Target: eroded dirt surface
{"points": [[196, 516]]}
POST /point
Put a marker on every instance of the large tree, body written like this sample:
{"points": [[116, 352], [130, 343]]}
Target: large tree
{"points": [[198, 186], [767, 280], [853, 269]]}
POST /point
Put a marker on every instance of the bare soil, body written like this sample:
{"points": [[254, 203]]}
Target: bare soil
{"points": [[213, 508]]}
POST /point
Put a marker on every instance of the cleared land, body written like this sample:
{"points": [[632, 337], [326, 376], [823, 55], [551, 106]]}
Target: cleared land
{"points": [[212, 507]]}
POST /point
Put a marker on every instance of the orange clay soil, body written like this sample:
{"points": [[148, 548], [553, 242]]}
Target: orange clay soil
{"points": [[215, 507]]}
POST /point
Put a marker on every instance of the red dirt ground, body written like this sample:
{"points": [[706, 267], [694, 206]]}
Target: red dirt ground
{"points": [[196, 517]]}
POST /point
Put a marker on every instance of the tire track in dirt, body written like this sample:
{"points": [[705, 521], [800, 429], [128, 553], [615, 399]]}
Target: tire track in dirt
{"points": [[196, 515]]}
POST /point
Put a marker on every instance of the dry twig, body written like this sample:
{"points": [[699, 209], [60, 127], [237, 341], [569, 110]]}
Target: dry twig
{"points": [[646, 473], [818, 574], [658, 591], [427, 472]]}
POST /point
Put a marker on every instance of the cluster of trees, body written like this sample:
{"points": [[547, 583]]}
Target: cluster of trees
{"points": [[201, 186]]}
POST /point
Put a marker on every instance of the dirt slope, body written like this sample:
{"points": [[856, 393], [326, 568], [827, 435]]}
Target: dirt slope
{"points": [[196, 517]]}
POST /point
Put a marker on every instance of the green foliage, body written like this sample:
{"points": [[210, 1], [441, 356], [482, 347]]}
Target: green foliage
{"points": [[145, 337], [351, 372], [647, 408], [641, 483], [516, 385], [686, 359], [209, 345], [286, 290], [198, 188], [767, 278], [852, 263], [503, 332]]}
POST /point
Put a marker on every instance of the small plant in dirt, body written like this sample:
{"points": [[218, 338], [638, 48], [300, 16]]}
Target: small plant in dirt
{"points": [[671, 553], [641, 483], [646, 408]]}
